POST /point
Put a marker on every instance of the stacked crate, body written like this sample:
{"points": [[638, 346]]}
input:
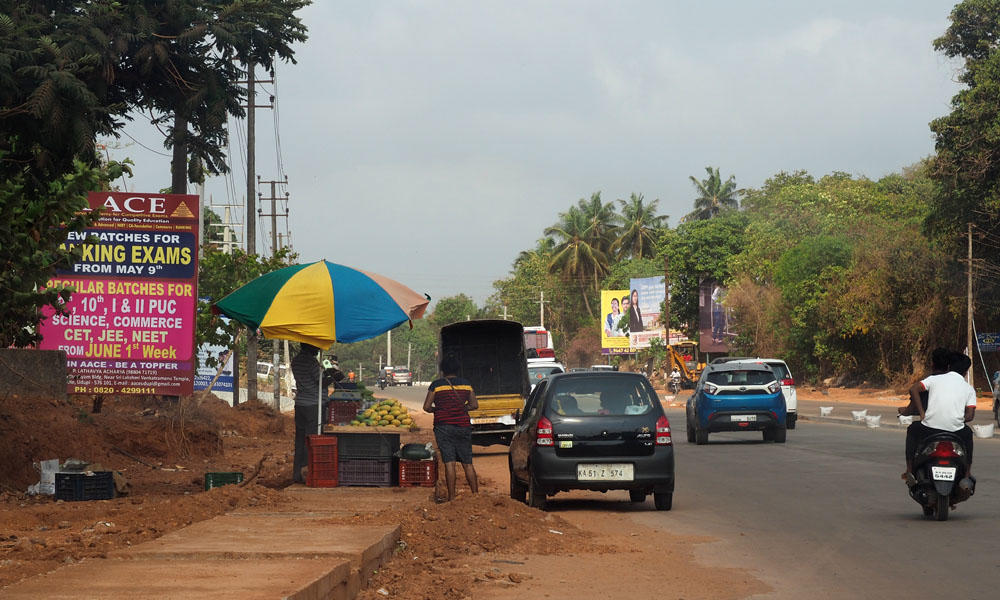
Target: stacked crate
{"points": [[323, 461], [367, 459], [343, 407]]}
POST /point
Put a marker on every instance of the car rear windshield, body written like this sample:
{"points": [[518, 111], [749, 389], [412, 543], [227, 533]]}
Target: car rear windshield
{"points": [[741, 377], [598, 396], [780, 371]]}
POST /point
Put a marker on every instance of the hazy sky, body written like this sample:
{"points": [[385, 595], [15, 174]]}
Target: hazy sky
{"points": [[432, 141]]}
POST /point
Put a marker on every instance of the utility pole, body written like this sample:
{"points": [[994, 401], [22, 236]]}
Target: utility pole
{"points": [[251, 225], [541, 309], [666, 297], [388, 349], [504, 312], [274, 251], [409, 348], [971, 338]]}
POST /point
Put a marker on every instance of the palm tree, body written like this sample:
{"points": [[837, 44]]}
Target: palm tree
{"points": [[575, 257], [714, 196], [543, 249], [639, 223], [601, 221]]}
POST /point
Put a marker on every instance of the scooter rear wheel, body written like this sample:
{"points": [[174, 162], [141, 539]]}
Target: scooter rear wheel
{"points": [[941, 508]]}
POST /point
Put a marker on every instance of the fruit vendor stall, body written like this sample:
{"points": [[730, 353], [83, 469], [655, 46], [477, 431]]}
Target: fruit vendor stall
{"points": [[364, 443]]}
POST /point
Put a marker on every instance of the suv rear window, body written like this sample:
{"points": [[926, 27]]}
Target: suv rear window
{"points": [[780, 370], [741, 377], [600, 396]]}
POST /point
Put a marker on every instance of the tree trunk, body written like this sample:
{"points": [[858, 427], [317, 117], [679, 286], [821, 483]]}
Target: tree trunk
{"points": [[178, 164], [586, 301]]}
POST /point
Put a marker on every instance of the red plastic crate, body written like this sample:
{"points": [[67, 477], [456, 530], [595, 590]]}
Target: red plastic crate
{"points": [[342, 412], [417, 473], [323, 459]]}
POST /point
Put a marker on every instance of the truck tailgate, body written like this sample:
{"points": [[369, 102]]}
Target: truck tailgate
{"points": [[491, 408]]}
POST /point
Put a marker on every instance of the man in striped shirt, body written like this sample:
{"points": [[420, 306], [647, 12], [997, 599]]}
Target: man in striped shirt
{"points": [[451, 398]]}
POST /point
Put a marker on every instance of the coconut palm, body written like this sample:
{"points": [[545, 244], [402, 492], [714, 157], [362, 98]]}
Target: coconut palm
{"points": [[638, 227], [575, 257], [714, 196], [601, 222], [543, 249]]}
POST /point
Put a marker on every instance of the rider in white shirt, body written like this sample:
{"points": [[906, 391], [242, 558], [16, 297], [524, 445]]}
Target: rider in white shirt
{"points": [[951, 403]]}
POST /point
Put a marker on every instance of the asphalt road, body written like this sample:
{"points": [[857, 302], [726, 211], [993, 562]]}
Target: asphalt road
{"points": [[824, 515]]}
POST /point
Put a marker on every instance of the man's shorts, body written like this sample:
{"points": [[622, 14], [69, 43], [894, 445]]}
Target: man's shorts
{"points": [[454, 442]]}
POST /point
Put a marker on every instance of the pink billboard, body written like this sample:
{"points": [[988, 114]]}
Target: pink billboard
{"points": [[130, 327]]}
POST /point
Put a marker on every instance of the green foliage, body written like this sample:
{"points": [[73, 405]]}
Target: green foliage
{"points": [[34, 221], [219, 274], [452, 309], [697, 250], [714, 195]]}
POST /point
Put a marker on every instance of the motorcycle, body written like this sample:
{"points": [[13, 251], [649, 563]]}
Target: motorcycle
{"points": [[939, 469], [675, 385]]}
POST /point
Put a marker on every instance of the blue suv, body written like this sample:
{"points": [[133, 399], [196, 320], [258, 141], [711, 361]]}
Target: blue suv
{"points": [[737, 396]]}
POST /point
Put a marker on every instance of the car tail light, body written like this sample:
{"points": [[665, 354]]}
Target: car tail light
{"points": [[663, 432], [543, 433], [787, 381], [711, 388], [944, 450], [773, 387]]}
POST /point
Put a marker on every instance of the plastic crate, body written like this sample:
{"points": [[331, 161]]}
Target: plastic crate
{"points": [[342, 412], [81, 486], [367, 445], [214, 480], [417, 473], [322, 451], [377, 472]]}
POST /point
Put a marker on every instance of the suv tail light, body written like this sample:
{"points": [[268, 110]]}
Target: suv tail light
{"points": [[543, 433], [773, 387], [663, 432], [787, 381]]}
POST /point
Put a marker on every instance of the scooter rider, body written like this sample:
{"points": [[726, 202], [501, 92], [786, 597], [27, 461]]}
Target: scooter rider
{"points": [[951, 402], [675, 379]]}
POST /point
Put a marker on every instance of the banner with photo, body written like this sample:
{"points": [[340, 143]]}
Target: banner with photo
{"points": [[645, 301], [714, 332], [614, 322]]}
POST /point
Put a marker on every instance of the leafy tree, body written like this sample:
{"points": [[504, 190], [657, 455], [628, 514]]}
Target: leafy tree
{"points": [[696, 250], [967, 165], [639, 228], [578, 255], [219, 274], [32, 228], [452, 309], [714, 195]]}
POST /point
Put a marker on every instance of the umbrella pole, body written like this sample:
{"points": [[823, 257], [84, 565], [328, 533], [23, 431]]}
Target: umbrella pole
{"points": [[319, 404]]}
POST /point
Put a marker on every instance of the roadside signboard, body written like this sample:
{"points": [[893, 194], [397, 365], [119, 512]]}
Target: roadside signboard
{"points": [[131, 322], [647, 295], [614, 322], [988, 342]]}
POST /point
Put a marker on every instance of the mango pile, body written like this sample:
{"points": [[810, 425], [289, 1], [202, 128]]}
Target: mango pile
{"points": [[387, 413]]}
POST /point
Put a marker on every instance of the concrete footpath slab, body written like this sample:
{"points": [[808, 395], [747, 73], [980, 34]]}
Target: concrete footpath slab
{"points": [[298, 579], [296, 555]]}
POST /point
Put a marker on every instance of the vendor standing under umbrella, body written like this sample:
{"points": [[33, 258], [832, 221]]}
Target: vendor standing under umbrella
{"points": [[450, 399], [306, 370]]}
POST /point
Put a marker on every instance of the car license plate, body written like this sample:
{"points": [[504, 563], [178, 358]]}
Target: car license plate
{"points": [[943, 473], [743, 418], [605, 472], [484, 420]]}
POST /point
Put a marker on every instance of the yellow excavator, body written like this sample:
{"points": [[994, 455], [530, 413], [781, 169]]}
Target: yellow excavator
{"points": [[683, 356]]}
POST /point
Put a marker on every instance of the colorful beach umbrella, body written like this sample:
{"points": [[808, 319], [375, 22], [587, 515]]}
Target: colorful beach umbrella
{"points": [[321, 303]]}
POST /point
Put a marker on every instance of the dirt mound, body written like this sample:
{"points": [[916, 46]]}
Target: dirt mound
{"points": [[441, 544]]}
